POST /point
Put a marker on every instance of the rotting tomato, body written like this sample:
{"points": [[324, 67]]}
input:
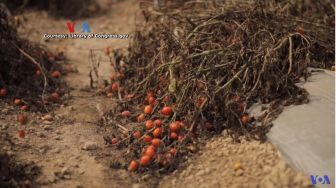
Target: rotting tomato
{"points": [[126, 113], [173, 151], [38, 73], [148, 109], [149, 124], [115, 140], [3, 92], [55, 97], [23, 119], [22, 133], [201, 101], [137, 134], [133, 166], [209, 126], [24, 107], [166, 99]]}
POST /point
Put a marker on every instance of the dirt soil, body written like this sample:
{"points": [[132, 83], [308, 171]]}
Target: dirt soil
{"points": [[70, 148]]}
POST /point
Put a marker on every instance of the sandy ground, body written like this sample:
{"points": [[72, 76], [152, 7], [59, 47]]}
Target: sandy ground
{"points": [[57, 146]]}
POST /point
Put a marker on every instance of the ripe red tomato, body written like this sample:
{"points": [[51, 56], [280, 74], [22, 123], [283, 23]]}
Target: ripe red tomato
{"points": [[141, 117], [175, 126], [145, 160], [147, 138], [173, 136], [133, 166], [156, 142], [148, 109], [151, 100], [149, 124], [150, 152], [157, 133], [158, 122], [56, 74], [167, 111], [115, 87]]}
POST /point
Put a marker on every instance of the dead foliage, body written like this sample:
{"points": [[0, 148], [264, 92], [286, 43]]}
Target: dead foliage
{"points": [[210, 62]]}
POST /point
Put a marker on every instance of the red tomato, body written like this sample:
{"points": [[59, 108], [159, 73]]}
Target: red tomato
{"points": [[148, 109], [141, 117], [167, 111], [149, 124], [56, 74], [158, 122], [156, 142], [173, 136], [150, 152], [133, 166], [147, 138], [157, 133], [175, 126], [145, 160], [151, 100], [115, 87]]}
